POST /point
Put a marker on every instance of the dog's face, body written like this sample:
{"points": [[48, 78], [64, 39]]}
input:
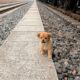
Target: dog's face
{"points": [[44, 37]]}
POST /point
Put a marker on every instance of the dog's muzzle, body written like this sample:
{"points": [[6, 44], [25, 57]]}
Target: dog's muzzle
{"points": [[43, 41]]}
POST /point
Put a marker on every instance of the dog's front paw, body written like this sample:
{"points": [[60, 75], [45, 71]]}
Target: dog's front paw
{"points": [[42, 52], [49, 56]]}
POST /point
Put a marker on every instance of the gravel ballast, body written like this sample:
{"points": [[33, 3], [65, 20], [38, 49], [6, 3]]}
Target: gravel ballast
{"points": [[66, 43], [9, 21]]}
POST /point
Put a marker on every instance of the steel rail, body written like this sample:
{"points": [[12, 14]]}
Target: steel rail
{"points": [[7, 8]]}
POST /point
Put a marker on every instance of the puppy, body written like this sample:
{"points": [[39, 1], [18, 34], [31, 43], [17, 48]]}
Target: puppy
{"points": [[46, 43]]}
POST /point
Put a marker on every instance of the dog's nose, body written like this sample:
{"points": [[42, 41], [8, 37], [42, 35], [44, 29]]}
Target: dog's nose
{"points": [[43, 41]]}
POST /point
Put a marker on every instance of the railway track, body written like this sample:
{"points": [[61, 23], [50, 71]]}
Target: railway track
{"points": [[75, 16], [8, 4], [7, 7]]}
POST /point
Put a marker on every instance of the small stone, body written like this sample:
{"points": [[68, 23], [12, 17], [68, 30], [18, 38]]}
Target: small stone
{"points": [[66, 62], [77, 78], [71, 78], [65, 78], [78, 71], [74, 72], [58, 67]]}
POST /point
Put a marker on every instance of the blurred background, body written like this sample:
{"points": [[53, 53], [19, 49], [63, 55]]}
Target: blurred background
{"points": [[11, 1], [7, 1]]}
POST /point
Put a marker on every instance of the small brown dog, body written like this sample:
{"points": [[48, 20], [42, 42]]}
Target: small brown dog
{"points": [[46, 43]]}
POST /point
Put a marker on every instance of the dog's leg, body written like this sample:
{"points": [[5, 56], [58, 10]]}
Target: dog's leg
{"points": [[42, 51], [50, 54]]}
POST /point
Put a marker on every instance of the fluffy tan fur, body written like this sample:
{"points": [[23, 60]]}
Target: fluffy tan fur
{"points": [[46, 43]]}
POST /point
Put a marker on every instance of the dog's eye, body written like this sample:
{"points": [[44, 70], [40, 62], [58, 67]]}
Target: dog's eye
{"points": [[45, 38]]}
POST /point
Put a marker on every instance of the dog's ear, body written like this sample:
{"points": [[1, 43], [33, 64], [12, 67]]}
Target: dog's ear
{"points": [[50, 35], [38, 35]]}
